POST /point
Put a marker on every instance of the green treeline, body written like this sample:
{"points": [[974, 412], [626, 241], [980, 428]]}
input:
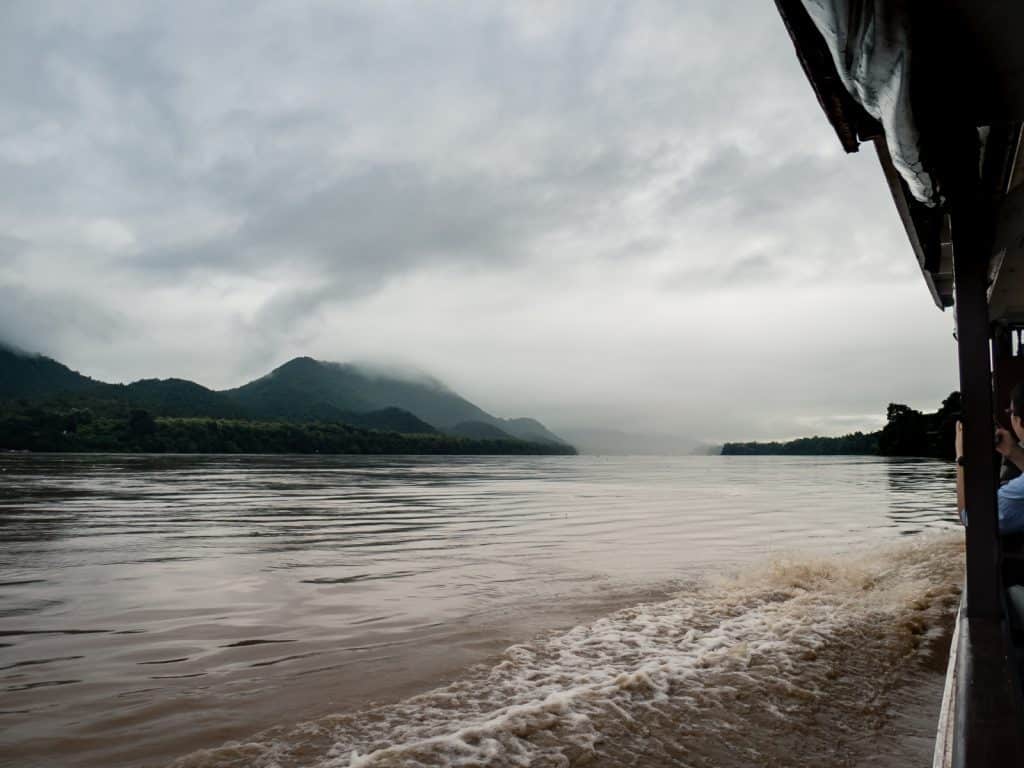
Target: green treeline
{"points": [[855, 443], [906, 433], [32, 428]]}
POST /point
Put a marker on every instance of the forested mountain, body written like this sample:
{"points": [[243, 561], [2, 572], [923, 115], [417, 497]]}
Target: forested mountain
{"points": [[392, 419], [478, 430], [305, 388], [528, 429], [40, 394], [23, 375], [179, 397]]}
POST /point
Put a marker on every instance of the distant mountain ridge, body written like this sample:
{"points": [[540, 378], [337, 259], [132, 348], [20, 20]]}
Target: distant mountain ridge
{"points": [[304, 383], [23, 374], [301, 390]]}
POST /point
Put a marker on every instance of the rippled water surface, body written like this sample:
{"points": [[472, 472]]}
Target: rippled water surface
{"points": [[151, 607]]}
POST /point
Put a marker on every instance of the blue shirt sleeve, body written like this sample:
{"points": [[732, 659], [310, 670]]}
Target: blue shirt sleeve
{"points": [[1011, 506]]}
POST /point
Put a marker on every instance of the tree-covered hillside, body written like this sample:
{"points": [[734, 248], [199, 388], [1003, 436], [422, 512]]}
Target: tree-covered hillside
{"points": [[854, 443], [44, 405], [478, 430], [305, 388], [24, 375], [140, 432]]}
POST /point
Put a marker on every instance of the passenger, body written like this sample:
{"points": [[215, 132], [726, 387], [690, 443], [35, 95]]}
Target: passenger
{"points": [[1011, 494]]}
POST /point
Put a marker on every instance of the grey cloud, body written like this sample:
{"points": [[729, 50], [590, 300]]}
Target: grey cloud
{"points": [[247, 181], [10, 248], [791, 205], [356, 232], [751, 187], [51, 322], [732, 271]]}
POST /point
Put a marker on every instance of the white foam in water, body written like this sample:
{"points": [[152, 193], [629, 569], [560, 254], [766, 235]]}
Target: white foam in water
{"points": [[794, 663]]}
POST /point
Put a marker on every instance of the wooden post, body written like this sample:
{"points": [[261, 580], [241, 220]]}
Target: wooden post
{"points": [[970, 272], [1002, 360], [986, 729]]}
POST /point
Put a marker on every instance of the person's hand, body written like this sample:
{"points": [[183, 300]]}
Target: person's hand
{"points": [[959, 442], [1004, 441]]}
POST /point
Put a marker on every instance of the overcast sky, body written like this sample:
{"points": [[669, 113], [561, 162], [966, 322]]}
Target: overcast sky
{"points": [[631, 215]]}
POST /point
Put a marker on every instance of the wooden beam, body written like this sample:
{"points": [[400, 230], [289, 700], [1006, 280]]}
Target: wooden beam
{"points": [[925, 245], [971, 240], [1007, 370], [986, 729], [1007, 272]]}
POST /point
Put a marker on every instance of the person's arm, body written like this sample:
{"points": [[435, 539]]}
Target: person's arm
{"points": [[959, 446], [1007, 445], [1011, 506], [1010, 501]]}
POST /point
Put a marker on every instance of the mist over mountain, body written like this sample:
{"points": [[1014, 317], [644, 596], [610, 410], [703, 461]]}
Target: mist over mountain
{"points": [[301, 390], [304, 387]]}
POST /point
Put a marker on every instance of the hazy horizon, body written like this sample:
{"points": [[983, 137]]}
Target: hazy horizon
{"points": [[624, 217]]}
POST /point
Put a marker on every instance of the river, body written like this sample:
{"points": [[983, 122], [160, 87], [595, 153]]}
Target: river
{"points": [[406, 611]]}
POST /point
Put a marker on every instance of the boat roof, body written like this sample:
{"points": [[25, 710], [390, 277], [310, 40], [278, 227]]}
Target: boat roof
{"points": [[931, 86]]}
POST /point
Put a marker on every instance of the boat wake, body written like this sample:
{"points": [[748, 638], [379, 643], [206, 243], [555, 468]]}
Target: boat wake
{"points": [[801, 662]]}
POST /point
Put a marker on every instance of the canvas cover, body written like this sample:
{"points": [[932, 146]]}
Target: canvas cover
{"points": [[868, 40]]}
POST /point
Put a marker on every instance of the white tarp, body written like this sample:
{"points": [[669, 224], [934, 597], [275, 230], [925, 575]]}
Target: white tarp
{"points": [[868, 42]]}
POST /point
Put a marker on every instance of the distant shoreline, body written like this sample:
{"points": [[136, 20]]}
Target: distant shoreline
{"points": [[907, 432]]}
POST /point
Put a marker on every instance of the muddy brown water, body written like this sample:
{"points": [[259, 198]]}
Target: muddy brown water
{"points": [[347, 611]]}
